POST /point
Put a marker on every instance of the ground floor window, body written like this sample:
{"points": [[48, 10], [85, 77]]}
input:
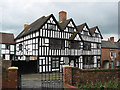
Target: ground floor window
{"points": [[3, 56], [88, 62], [55, 62]]}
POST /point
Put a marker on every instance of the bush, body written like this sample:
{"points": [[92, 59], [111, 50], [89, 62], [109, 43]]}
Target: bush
{"points": [[97, 84]]}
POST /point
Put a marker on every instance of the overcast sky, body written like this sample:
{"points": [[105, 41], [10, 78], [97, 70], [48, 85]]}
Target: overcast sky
{"points": [[14, 13]]}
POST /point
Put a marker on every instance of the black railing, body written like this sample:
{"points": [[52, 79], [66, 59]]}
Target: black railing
{"points": [[19, 80]]}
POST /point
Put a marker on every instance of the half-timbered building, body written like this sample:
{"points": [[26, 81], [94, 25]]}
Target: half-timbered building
{"points": [[7, 50], [54, 43]]}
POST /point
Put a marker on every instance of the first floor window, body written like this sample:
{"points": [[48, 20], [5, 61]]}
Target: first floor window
{"points": [[20, 46], [74, 45], [98, 46], [55, 62], [7, 46], [87, 46], [57, 44]]}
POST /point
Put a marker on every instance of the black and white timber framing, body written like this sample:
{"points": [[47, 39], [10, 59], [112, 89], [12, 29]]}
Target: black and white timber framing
{"points": [[54, 44], [7, 46]]}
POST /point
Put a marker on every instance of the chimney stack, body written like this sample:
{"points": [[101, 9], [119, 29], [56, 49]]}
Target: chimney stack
{"points": [[25, 25], [111, 39], [62, 16]]}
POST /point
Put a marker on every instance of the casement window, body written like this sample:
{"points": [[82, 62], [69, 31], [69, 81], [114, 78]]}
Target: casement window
{"points": [[113, 55], [87, 46], [20, 46], [74, 45], [88, 60], [96, 34], [71, 30], [55, 62], [98, 46], [57, 44], [7, 46], [52, 26]]}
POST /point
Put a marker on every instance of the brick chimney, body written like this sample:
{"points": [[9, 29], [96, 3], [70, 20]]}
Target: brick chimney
{"points": [[62, 16], [25, 25], [111, 39]]}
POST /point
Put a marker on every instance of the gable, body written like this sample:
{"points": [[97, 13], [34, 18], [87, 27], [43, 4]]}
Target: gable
{"points": [[51, 24], [77, 37], [70, 25], [85, 30], [96, 30]]}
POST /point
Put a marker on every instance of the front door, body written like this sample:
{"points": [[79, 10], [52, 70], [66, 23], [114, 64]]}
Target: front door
{"points": [[111, 65]]}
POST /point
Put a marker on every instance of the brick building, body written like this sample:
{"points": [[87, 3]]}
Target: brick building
{"points": [[110, 53], [7, 46]]}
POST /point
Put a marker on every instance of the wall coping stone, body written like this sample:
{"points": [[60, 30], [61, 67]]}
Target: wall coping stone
{"points": [[93, 70], [13, 68], [67, 66]]}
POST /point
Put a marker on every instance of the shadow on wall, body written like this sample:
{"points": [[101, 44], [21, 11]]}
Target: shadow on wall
{"points": [[26, 67]]}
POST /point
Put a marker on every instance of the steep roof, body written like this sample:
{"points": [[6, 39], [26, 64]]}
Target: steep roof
{"points": [[34, 26], [7, 38], [92, 31], [118, 40], [118, 44], [108, 44], [80, 27], [64, 23]]}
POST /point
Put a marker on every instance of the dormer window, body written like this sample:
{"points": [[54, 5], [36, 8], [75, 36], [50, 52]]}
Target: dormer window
{"points": [[87, 46], [85, 32], [96, 34], [51, 26], [71, 30]]}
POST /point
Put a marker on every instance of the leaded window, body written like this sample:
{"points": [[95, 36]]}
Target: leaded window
{"points": [[96, 34], [20, 46], [7, 46], [55, 62], [52, 26], [74, 45], [85, 32], [57, 44], [87, 46], [71, 30], [88, 60], [98, 46]]}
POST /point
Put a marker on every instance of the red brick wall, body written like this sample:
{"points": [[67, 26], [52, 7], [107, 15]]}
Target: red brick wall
{"points": [[5, 65], [12, 78], [89, 74], [67, 72], [9, 77], [105, 55]]}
